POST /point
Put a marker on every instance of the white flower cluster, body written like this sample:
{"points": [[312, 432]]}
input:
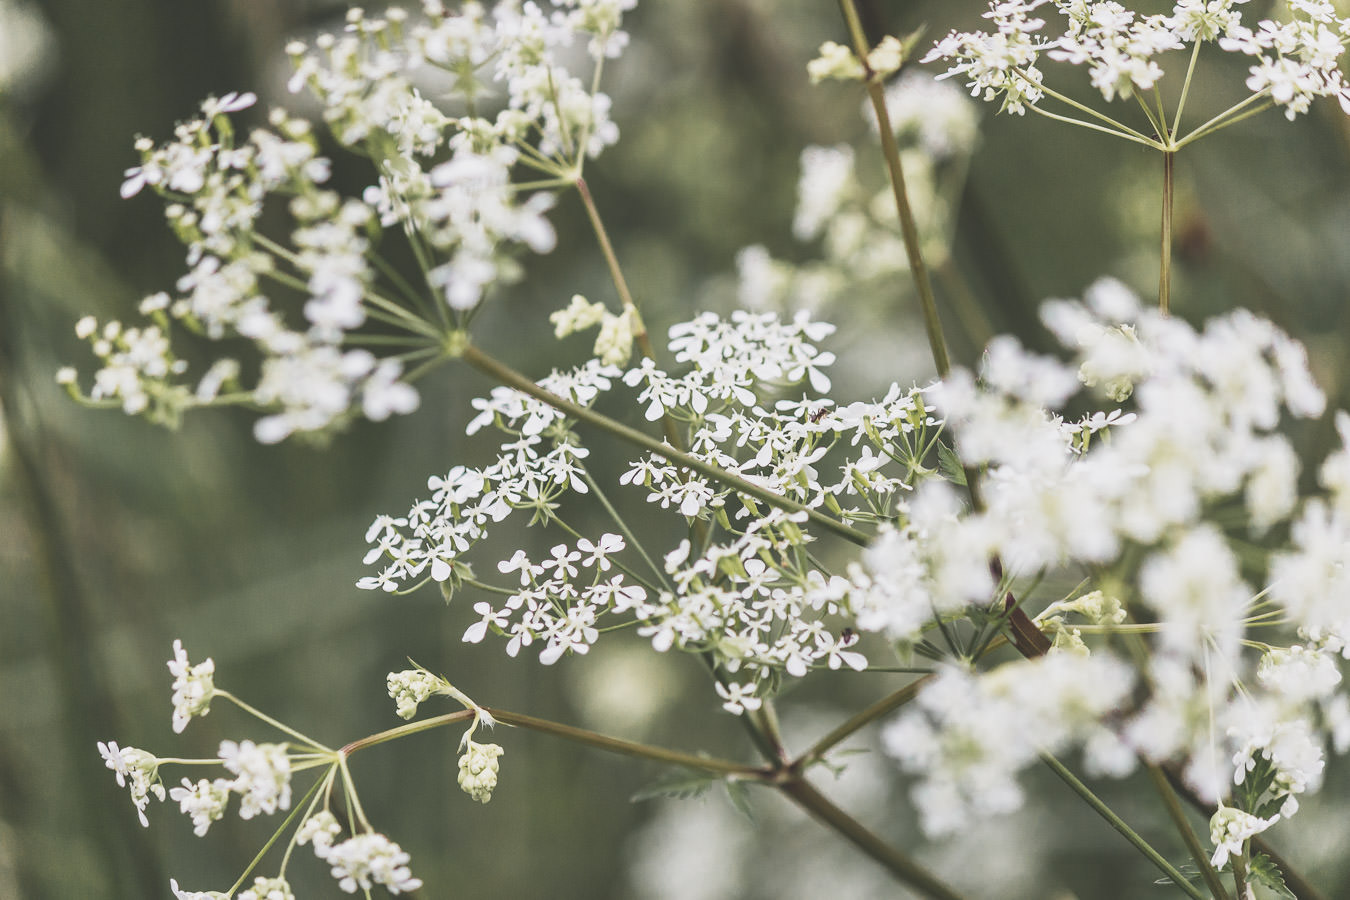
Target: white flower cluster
{"points": [[1202, 434], [968, 735], [193, 687], [851, 210], [467, 207], [553, 610], [753, 602], [436, 532], [448, 183], [360, 862], [1298, 59]]}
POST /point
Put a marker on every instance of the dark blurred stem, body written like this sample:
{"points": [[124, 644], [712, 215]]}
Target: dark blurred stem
{"points": [[1183, 827], [908, 872], [87, 711], [937, 343], [1165, 270], [644, 341]]}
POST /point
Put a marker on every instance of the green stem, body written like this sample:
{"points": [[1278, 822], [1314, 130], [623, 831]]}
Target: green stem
{"points": [[1185, 88], [900, 865], [1119, 825], [309, 742], [1120, 128], [630, 748], [567, 732], [511, 378], [1165, 270], [1226, 118], [1093, 127], [861, 720], [1178, 816], [623, 526], [273, 839]]}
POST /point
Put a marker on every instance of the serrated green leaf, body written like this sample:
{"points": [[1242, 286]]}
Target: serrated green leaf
{"points": [[681, 785], [1263, 871], [949, 465], [739, 795]]}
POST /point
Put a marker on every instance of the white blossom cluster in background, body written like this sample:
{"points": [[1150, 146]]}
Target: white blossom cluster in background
{"points": [[447, 175], [850, 210], [1295, 60]]}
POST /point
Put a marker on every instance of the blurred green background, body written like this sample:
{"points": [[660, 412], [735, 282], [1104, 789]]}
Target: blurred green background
{"points": [[117, 537]]}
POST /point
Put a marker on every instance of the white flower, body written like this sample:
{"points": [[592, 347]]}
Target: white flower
{"points": [[204, 801], [136, 770], [363, 861], [1230, 829], [262, 776], [193, 687]]}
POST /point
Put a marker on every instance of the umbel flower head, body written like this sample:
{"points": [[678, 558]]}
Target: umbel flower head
{"points": [[1295, 60], [456, 187]]}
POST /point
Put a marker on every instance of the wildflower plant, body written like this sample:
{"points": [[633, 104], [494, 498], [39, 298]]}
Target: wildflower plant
{"points": [[1070, 552]]}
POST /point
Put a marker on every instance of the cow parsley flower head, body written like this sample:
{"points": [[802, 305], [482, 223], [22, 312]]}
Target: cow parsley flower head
{"points": [[262, 776], [363, 861], [1297, 60], [205, 801]]}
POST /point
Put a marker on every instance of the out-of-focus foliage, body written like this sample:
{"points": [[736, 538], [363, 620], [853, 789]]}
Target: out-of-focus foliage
{"points": [[116, 537]]}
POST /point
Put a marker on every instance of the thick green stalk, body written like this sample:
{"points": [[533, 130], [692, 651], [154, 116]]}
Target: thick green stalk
{"points": [[1116, 822], [513, 379]]}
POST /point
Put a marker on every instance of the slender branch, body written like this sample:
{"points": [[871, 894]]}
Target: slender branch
{"points": [[1185, 89], [640, 335], [511, 378], [1092, 126], [630, 748], [1226, 118], [900, 865], [1178, 816], [567, 732], [1165, 269], [1119, 825], [861, 720]]}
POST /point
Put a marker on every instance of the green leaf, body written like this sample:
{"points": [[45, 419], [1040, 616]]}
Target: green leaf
{"points": [[1263, 872], [949, 465], [739, 794], [680, 785]]}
